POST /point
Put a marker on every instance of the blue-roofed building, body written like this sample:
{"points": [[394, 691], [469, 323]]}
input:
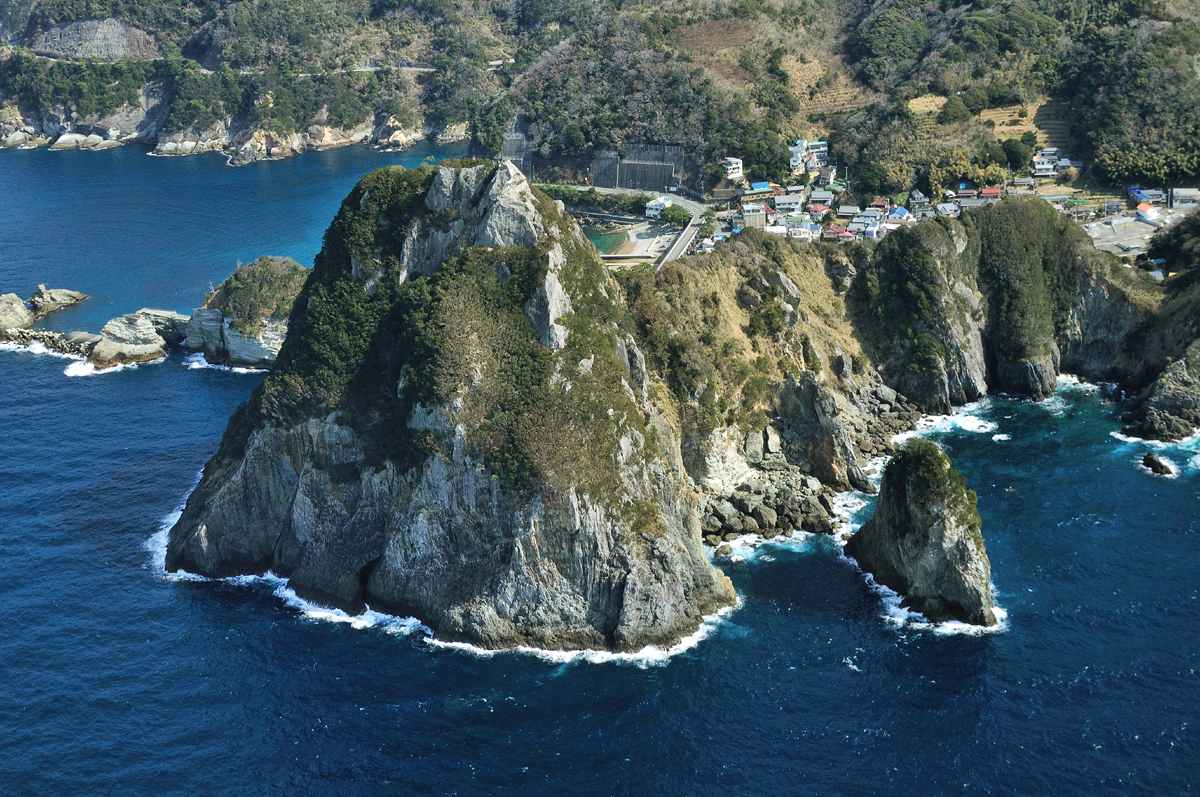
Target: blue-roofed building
{"points": [[759, 186]]}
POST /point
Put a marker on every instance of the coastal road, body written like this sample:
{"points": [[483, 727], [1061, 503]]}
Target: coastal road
{"points": [[684, 239]]}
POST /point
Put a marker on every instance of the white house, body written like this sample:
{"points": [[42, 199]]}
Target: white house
{"points": [[732, 168], [655, 207]]}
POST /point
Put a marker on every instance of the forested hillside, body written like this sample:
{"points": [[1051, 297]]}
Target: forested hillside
{"points": [[908, 92]]}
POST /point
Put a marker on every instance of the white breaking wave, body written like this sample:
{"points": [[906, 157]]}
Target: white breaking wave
{"points": [[961, 419], [1000, 438], [1188, 449], [85, 368], [197, 361], [649, 656], [898, 617], [750, 547], [37, 347], [1072, 382]]}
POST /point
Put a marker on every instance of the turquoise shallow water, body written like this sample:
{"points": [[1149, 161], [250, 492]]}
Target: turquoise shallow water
{"points": [[118, 680]]}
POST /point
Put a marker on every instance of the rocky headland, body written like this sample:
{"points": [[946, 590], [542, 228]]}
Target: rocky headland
{"points": [[924, 540], [473, 422], [456, 429]]}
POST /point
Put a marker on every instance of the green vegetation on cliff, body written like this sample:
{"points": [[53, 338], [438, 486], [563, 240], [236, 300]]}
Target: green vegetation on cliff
{"points": [[926, 473], [460, 337], [267, 287], [735, 77]]}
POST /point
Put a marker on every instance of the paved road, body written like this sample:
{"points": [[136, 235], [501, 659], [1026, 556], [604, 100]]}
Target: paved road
{"points": [[684, 239]]}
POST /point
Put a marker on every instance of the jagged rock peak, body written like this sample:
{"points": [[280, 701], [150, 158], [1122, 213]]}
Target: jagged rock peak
{"points": [[925, 540]]}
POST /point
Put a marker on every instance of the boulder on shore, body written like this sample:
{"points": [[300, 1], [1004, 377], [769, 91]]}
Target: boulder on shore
{"points": [[924, 540]]}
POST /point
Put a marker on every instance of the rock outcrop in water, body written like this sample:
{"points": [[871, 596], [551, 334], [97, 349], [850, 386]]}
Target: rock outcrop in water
{"points": [[245, 320], [420, 449], [924, 540], [45, 302], [13, 312], [17, 314], [128, 339]]}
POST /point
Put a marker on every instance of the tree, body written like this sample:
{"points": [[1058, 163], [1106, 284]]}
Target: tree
{"points": [[1018, 153], [953, 111], [676, 216]]}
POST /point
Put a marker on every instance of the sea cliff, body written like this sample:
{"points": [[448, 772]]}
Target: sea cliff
{"points": [[451, 431]]}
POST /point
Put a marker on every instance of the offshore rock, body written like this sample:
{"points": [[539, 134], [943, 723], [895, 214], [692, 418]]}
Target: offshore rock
{"points": [[1156, 465], [211, 333], [484, 482], [245, 320], [13, 313], [924, 540], [170, 326], [45, 301]]}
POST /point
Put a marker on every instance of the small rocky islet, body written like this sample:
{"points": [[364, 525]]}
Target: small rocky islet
{"points": [[242, 324]]}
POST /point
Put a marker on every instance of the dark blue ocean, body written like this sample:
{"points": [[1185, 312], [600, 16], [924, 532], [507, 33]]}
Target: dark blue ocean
{"points": [[115, 679]]}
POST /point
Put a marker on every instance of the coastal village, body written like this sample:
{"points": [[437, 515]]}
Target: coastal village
{"points": [[817, 207]]}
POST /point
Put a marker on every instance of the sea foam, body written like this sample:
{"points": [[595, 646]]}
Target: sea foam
{"points": [[37, 347], [898, 617], [649, 656], [962, 419], [196, 361]]}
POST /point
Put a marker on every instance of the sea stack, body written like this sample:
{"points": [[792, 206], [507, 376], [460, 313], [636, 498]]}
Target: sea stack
{"points": [[924, 540], [449, 432]]}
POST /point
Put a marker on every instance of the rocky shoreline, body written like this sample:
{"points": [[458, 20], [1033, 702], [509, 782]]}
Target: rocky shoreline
{"points": [[61, 129], [147, 335]]}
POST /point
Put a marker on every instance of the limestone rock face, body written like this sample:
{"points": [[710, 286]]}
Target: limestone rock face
{"points": [[244, 321], [170, 326], [924, 540], [550, 303], [493, 213], [257, 145], [128, 339], [1171, 409], [1036, 377], [46, 301], [13, 313], [204, 333], [210, 332], [577, 530], [104, 39], [392, 133], [808, 419], [194, 140], [459, 131], [322, 136]]}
